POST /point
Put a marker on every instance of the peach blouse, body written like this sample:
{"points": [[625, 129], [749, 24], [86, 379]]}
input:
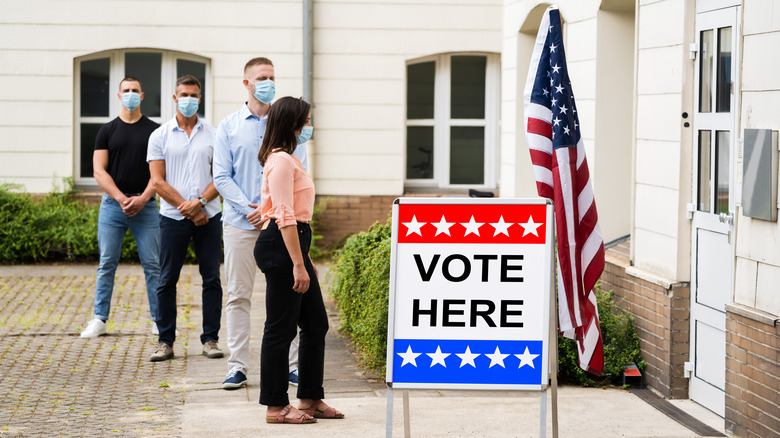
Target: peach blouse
{"points": [[287, 194]]}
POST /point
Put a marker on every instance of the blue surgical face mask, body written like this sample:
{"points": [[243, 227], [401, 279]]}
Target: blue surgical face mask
{"points": [[305, 134], [265, 91], [188, 105], [131, 100]]}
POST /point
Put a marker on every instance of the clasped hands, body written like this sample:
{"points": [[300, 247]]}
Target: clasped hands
{"points": [[192, 211], [132, 205]]}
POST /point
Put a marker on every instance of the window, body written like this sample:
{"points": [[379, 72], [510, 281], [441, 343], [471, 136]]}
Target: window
{"points": [[452, 121], [97, 84]]}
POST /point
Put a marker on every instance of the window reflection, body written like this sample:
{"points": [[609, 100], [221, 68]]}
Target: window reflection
{"points": [[467, 87], [723, 89], [420, 90], [722, 159], [705, 72], [419, 152], [704, 170], [197, 69], [146, 67], [88, 134], [467, 155], [94, 92]]}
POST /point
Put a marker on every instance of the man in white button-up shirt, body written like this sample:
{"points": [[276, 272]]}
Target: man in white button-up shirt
{"points": [[180, 154]]}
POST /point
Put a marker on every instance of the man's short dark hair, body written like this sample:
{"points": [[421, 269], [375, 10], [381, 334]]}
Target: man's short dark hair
{"points": [[257, 61], [188, 80], [130, 79]]}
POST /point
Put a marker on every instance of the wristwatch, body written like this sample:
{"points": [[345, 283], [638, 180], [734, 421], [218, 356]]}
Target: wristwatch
{"points": [[203, 201]]}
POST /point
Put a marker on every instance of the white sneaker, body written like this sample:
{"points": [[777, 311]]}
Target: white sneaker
{"points": [[94, 329], [156, 330]]}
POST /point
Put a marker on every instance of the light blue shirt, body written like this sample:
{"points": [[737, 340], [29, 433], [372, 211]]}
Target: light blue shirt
{"points": [[238, 175], [187, 162]]}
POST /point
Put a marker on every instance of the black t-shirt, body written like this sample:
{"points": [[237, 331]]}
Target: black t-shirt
{"points": [[126, 144]]}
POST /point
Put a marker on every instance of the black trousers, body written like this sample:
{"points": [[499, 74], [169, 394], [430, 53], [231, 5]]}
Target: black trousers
{"points": [[285, 311]]}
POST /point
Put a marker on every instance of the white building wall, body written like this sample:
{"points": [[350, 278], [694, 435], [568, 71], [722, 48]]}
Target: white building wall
{"points": [[758, 242], [360, 53], [39, 40], [660, 239], [361, 49]]}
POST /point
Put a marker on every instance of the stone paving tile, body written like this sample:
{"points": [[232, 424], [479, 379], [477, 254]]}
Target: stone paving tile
{"points": [[55, 384]]}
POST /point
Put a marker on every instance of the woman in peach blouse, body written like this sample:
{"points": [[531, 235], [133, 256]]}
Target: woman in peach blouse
{"points": [[293, 297]]}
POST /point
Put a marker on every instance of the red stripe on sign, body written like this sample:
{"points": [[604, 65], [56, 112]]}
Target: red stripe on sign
{"points": [[472, 223]]}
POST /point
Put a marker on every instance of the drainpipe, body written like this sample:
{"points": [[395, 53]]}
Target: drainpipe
{"points": [[308, 68], [308, 49]]}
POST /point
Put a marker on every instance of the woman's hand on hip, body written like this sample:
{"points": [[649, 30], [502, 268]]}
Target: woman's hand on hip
{"points": [[302, 279]]}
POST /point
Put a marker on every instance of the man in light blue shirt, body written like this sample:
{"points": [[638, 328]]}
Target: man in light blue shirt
{"points": [[238, 177], [180, 155]]}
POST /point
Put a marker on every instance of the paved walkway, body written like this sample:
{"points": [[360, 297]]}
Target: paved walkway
{"points": [[53, 383]]}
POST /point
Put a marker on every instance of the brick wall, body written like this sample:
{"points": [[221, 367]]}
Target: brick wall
{"points": [[347, 215], [660, 314], [752, 377]]}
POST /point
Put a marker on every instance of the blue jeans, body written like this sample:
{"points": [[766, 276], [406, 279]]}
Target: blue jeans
{"points": [[207, 240], [112, 227]]}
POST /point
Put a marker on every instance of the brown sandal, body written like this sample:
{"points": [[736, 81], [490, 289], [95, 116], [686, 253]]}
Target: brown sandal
{"points": [[294, 419], [328, 412]]}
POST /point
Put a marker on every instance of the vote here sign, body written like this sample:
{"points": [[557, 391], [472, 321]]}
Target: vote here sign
{"points": [[470, 285]]}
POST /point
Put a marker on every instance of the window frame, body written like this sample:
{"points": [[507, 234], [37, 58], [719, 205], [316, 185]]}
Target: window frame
{"points": [[116, 74], [441, 121]]}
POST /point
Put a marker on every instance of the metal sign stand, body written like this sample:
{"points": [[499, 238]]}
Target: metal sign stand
{"points": [[552, 363]]}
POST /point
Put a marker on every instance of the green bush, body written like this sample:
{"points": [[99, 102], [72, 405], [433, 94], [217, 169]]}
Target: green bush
{"points": [[621, 346], [361, 286], [54, 227]]}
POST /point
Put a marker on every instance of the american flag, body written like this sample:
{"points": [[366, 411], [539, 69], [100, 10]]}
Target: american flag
{"points": [[561, 171]]}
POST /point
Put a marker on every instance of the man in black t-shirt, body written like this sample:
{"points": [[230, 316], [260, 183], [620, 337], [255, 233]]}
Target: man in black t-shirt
{"points": [[120, 168]]}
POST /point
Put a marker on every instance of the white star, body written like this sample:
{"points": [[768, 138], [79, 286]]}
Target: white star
{"points": [[443, 226], [414, 226], [501, 227], [564, 109], [467, 358], [545, 92], [527, 358], [559, 88], [555, 68], [497, 358], [566, 130], [557, 121], [553, 101], [472, 227], [439, 357], [409, 356], [552, 48], [530, 227]]}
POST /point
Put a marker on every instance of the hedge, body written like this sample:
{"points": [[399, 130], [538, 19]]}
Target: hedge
{"points": [[361, 285]]}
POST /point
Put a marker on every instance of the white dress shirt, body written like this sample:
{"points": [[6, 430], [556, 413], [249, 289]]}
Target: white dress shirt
{"points": [[187, 162]]}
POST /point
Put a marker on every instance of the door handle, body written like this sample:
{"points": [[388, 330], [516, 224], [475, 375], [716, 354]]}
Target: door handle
{"points": [[726, 218]]}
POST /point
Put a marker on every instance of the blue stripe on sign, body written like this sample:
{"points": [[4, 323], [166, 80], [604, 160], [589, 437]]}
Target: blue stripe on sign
{"points": [[467, 361]]}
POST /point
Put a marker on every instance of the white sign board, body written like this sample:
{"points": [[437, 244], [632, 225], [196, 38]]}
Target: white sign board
{"points": [[470, 283]]}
